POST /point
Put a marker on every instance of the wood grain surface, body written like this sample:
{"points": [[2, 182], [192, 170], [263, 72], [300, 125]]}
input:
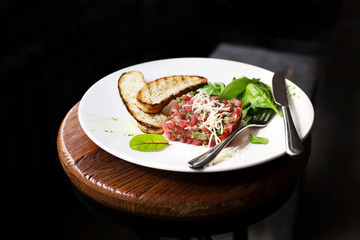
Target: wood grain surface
{"points": [[164, 194]]}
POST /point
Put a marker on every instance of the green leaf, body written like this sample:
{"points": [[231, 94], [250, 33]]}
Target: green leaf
{"points": [[246, 106], [258, 140], [213, 90], [236, 86], [148, 142], [219, 86], [259, 95]]}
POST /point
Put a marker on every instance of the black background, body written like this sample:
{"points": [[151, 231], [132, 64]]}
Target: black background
{"points": [[51, 52]]}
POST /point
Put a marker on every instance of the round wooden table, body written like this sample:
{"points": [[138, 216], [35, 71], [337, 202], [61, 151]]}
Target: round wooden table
{"points": [[159, 194]]}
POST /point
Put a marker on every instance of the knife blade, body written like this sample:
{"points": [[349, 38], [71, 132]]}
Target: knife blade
{"points": [[279, 89], [293, 144]]}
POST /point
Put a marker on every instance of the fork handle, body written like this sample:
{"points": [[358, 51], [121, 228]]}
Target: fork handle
{"points": [[294, 146], [208, 156]]}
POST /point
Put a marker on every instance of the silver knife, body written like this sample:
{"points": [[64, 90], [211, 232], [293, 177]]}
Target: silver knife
{"points": [[293, 143]]}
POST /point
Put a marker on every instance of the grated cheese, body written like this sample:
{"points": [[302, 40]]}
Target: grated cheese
{"points": [[212, 114]]}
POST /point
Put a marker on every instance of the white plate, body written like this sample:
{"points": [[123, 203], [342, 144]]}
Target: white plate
{"points": [[107, 123]]}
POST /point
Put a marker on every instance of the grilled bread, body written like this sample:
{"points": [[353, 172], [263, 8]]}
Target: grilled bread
{"points": [[129, 85], [155, 95]]}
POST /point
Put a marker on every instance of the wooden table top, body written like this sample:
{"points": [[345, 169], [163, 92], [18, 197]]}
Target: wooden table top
{"points": [[155, 193]]}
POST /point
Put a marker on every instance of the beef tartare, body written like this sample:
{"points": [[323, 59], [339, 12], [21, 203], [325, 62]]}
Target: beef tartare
{"points": [[202, 120]]}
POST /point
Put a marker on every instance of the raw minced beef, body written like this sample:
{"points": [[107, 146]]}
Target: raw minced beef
{"points": [[202, 120]]}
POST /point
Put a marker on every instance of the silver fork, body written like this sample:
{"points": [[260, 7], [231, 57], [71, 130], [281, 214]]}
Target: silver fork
{"points": [[261, 119]]}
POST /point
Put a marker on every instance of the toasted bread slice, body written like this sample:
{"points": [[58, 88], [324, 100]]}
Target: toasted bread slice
{"points": [[129, 84], [155, 95]]}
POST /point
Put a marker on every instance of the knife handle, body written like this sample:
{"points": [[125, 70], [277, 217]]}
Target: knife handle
{"points": [[294, 146]]}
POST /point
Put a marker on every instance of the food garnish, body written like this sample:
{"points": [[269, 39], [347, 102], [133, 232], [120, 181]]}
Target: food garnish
{"points": [[148, 142], [258, 140]]}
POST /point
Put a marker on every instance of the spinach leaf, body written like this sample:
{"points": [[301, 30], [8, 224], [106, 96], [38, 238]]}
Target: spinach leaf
{"points": [[213, 90], [236, 87], [219, 86], [258, 140], [148, 142], [259, 95], [245, 109]]}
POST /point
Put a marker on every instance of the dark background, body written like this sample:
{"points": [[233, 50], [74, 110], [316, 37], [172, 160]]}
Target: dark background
{"points": [[51, 52]]}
